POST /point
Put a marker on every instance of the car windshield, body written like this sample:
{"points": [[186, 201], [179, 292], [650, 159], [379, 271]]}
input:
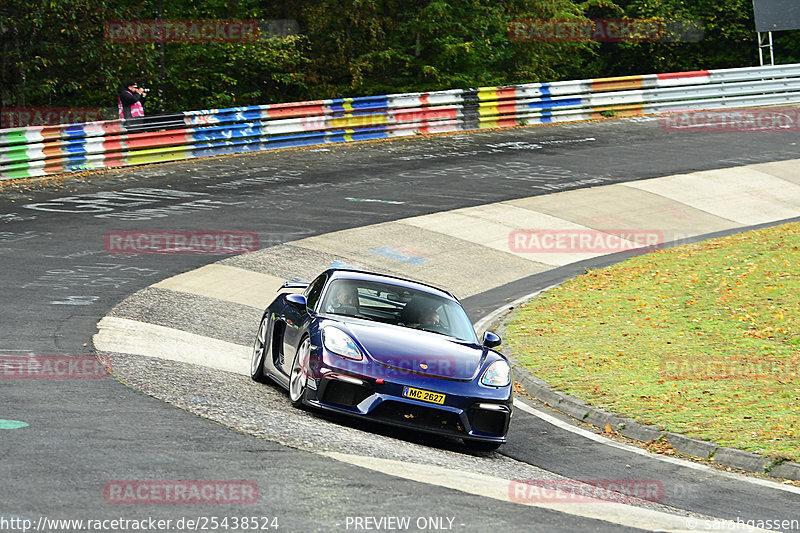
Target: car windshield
{"points": [[397, 305]]}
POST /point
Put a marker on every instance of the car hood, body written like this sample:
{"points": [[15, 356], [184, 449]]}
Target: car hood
{"points": [[421, 352]]}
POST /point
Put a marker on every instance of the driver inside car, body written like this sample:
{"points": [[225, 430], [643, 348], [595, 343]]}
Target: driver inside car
{"points": [[344, 301], [429, 318], [424, 317]]}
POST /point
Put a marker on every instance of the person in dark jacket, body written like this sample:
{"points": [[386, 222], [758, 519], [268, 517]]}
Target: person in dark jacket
{"points": [[131, 98]]}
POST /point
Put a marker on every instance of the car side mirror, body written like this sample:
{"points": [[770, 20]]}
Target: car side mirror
{"points": [[491, 340], [297, 300]]}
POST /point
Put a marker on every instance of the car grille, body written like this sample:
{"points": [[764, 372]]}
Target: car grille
{"points": [[344, 393], [488, 422], [418, 416]]}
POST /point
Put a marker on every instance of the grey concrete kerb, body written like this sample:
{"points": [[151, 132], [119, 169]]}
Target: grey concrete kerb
{"points": [[627, 427]]}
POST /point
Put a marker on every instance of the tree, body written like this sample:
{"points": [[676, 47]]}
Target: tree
{"points": [[727, 37], [56, 52]]}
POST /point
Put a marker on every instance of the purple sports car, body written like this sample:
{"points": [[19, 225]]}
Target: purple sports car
{"points": [[386, 349]]}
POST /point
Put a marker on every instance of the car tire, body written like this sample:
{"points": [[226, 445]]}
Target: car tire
{"points": [[298, 376], [259, 353], [482, 445]]}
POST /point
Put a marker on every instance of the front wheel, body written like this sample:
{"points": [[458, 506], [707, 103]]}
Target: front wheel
{"points": [[259, 352], [298, 377]]}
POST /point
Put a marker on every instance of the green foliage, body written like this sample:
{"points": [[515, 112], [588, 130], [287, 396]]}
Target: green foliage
{"points": [[56, 54], [233, 74], [726, 38], [54, 51]]}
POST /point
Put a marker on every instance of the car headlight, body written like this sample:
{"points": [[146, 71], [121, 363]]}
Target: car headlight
{"points": [[497, 375], [340, 343]]}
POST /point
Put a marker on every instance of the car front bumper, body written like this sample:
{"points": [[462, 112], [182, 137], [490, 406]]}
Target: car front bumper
{"points": [[469, 410]]}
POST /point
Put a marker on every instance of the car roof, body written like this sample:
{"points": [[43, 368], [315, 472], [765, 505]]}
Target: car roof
{"points": [[363, 275]]}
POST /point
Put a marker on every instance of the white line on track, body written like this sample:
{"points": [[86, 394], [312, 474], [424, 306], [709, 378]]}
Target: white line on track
{"points": [[124, 335], [566, 426], [554, 500]]}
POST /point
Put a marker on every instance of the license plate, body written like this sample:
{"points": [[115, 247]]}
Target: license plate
{"points": [[424, 395]]}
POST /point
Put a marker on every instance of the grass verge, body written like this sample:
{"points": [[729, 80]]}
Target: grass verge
{"points": [[702, 339]]}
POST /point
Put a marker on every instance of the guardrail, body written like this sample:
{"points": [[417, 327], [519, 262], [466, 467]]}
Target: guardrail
{"points": [[46, 150]]}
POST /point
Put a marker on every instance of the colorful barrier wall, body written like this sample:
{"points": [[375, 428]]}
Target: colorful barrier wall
{"points": [[46, 150]]}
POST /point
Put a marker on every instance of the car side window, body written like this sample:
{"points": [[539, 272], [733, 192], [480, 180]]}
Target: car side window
{"points": [[315, 290]]}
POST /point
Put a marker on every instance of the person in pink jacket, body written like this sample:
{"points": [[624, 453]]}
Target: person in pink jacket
{"points": [[131, 97]]}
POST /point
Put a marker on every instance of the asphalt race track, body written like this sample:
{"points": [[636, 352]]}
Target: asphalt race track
{"points": [[310, 470]]}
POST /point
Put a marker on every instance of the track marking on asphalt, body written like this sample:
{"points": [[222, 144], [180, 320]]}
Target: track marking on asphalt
{"points": [[566, 426], [501, 489], [124, 335], [12, 424]]}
